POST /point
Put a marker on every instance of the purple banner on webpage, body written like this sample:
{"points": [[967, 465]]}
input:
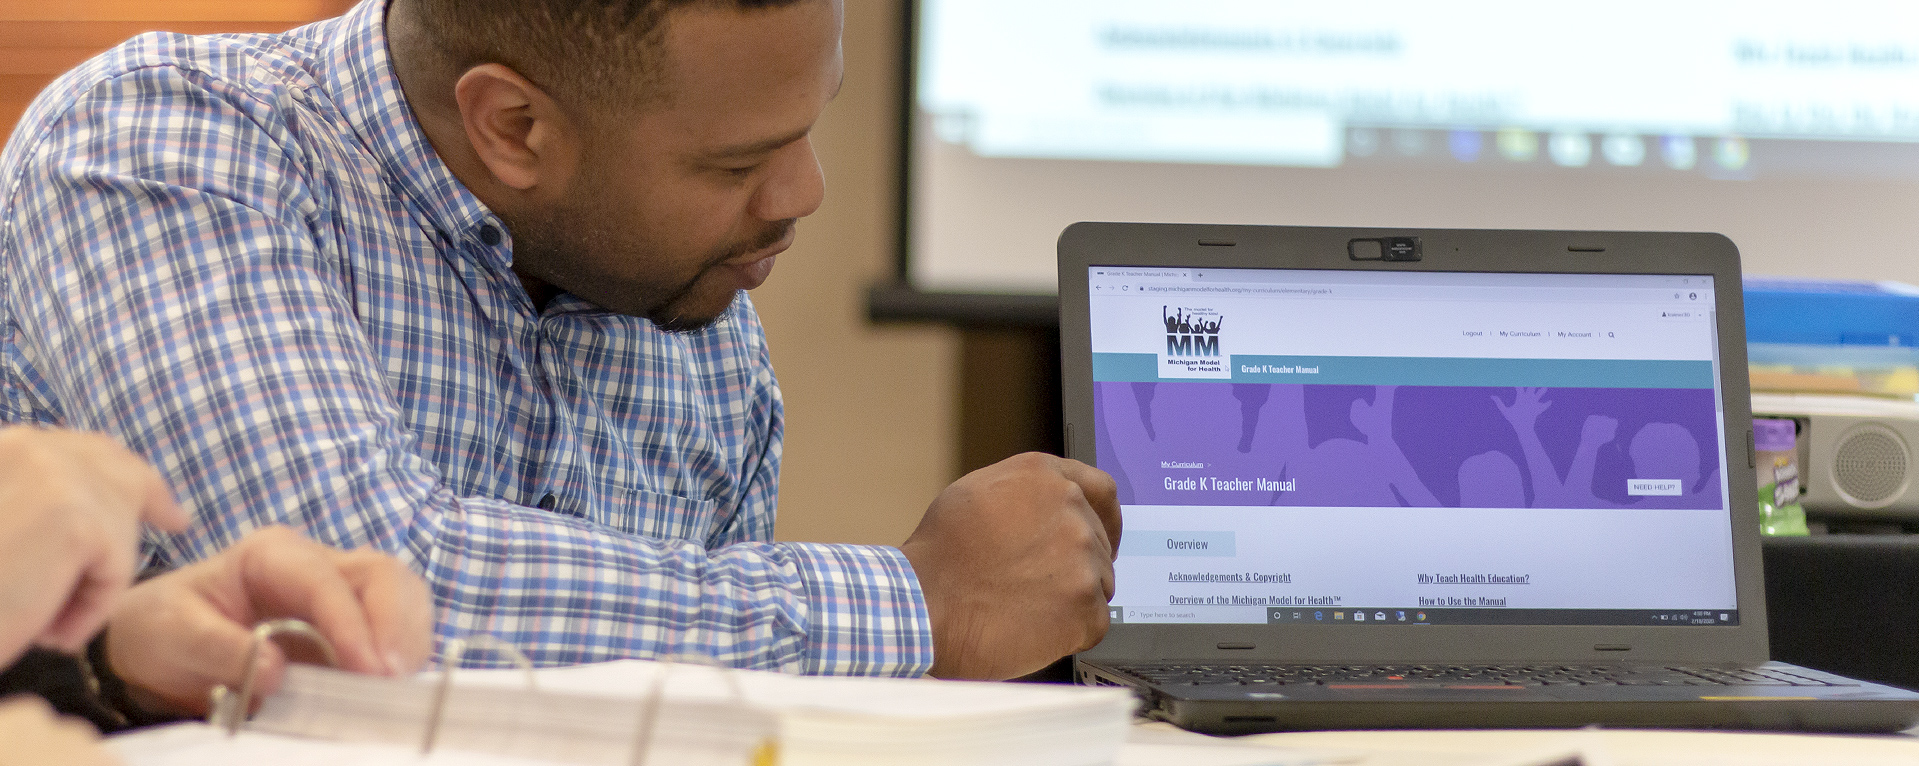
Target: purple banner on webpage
{"points": [[1204, 443]]}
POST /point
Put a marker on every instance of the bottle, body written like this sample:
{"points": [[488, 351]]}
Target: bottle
{"points": [[1780, 513]]}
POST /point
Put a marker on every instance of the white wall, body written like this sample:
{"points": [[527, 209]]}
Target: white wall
{"points": [[871, 411]]}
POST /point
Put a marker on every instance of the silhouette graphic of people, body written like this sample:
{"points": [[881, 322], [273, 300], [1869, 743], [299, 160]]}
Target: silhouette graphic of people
{"points": [[1370, 473], [1550, 490], [1252, 430], [1491, 480]]}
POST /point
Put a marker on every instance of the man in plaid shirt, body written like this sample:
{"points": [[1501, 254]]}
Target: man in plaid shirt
{"points": [[463, 280]]}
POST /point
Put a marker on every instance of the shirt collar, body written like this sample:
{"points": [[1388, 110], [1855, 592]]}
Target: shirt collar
{"points": [[361, 81]]}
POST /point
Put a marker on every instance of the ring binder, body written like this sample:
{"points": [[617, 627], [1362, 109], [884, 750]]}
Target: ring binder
{"points": [[456, 651], [228, 710], [765, 754], [727, 725], [645, 713]]}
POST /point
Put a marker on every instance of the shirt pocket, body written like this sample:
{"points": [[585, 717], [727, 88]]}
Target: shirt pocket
{"points": [[659, 515]]}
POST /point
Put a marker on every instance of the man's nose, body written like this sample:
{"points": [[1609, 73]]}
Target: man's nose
{"points": [[796, 188]]}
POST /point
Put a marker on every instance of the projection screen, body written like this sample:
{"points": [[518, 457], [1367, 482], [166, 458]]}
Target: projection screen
{"points": [[1791, 127]]}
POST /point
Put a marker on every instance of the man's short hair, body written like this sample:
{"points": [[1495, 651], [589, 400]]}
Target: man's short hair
{"points": [[602, 54]]}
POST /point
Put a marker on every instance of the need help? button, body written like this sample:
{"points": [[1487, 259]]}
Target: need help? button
{"points": [[1654, 487]]}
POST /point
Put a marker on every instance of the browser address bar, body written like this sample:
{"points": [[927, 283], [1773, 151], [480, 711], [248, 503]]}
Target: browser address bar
{"points": [[1658, 296], [1233, 290]]}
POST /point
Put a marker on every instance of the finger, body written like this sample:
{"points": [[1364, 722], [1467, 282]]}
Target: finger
{"points": [[269, 671], [83, 614], [1098, 622], [80, 741], [1102, 493], [196, 648], [114, 472], [31, 733], [1098, 560], [136, 483], [105, 569], [319, 594], [1107, 582], [285, 575], [26, 707], [397, 604], [35, 594], [160, 509]]}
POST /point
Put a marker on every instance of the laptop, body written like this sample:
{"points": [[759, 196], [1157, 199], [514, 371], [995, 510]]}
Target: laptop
{"points": [[1430, 478]]}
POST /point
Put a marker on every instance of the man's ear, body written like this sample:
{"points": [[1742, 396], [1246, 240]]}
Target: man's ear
{"points": [[516, 129]]}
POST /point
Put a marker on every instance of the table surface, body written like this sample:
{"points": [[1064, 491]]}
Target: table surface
{"points": [[1157, 743]]}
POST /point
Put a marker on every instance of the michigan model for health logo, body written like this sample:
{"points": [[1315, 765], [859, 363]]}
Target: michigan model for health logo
{"points": [[1192, 344]]}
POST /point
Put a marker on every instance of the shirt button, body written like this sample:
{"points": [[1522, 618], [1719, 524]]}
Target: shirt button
{"points": [[547, 503], [490, 234]]}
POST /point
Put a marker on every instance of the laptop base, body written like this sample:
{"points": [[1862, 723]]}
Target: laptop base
{"points": [[1852, 708]]}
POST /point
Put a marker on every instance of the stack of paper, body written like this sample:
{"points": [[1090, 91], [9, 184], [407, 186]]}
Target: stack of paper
{"points": [[605, 714]]}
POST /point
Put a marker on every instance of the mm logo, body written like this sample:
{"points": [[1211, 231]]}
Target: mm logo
{"points": [[1190, 332]]}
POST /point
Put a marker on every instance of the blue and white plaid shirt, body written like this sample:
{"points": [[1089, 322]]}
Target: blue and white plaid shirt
{"points": [[239, 255]]}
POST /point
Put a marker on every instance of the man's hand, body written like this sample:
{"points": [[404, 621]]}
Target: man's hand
{"points": [[33, 736], [175, 637], [1016, 563], [70, 510]]}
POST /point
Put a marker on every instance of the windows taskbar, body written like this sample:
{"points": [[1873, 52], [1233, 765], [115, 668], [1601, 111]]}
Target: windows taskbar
{"points": [[1431, 616]]}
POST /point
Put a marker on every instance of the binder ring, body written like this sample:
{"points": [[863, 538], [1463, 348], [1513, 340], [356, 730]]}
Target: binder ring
{"points": [[765, 755], [455, 651], [228, 710]]}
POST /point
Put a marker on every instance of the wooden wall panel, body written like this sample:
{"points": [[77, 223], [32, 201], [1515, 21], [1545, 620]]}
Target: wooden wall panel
{"points": [[39, 39]]}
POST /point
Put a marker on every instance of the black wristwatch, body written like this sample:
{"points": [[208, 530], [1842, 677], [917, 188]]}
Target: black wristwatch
{"points": [[66, 683], [110, 693]]}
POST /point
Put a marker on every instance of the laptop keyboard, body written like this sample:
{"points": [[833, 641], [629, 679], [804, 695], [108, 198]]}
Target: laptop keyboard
{"points": [[1461, 675]]}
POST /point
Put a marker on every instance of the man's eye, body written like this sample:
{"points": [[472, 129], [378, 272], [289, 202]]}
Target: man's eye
{"points": [[741, 170]]}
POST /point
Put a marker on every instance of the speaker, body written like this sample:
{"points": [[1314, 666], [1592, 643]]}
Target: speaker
{"points": [[1856, 455]]}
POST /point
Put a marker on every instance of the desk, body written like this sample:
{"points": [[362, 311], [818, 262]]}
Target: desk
{"points": [[1494, 748]]}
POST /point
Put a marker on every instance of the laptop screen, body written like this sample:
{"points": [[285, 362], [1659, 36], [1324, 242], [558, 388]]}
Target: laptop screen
{"points": [[1413, 448]]}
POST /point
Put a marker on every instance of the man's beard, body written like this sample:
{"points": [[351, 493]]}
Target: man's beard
{"points": [[671, 317], [557, 245]]}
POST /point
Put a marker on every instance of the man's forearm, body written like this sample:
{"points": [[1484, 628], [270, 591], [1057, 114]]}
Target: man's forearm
{"points": [[567, 591]]}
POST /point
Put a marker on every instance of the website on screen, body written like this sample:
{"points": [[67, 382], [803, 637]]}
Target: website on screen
{"points": [[1413, 448]]}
